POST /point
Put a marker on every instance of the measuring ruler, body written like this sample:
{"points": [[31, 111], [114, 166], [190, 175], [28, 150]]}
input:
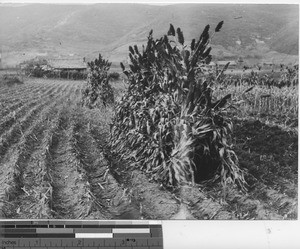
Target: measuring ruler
{"points": [[91, 234]]}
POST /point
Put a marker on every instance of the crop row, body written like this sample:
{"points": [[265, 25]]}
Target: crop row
{"points": [[40, 198], [32, 102], [13, 101], [10, 94], [281, 104], [20, 141], [17, 123]]}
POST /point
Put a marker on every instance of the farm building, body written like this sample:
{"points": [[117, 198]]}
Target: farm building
{"points": [[68, 66], [232, 64], [211, 64], [240, 60], [267, 63]]}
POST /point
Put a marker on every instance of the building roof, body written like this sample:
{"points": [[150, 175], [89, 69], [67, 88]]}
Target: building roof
{"points": [[67, 64], [223, 63], [267, 62]]}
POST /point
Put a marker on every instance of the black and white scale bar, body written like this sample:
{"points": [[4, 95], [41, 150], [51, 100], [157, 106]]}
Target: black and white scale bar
{"points": [[64, 233], [76, 224], [79, 233]]}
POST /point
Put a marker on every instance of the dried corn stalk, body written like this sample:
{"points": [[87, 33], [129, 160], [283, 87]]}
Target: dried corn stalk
{"points": [[166, 123]]}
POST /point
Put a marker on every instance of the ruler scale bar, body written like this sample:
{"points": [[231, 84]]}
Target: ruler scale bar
{"points": [[69, 234]]}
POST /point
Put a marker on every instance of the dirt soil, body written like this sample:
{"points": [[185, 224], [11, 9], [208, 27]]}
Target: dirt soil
{"points": [[270, 155], [55, 163]]}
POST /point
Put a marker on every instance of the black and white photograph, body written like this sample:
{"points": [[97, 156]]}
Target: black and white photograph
{"points": [[149, 111]]}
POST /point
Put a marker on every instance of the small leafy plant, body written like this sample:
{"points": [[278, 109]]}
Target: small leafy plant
{"points": [[98, 91], [167, 123]]}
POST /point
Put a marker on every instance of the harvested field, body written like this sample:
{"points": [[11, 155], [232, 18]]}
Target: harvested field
{"points": [[55, 163]]}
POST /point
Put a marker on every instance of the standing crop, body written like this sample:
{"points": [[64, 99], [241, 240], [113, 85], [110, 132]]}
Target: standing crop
{"points": [[166, 123], [98, 90]]}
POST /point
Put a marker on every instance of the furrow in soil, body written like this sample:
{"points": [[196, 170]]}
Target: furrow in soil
{"points": [[19, 148], [153, 201], [69, 188], [23, 110], [112, 199]]}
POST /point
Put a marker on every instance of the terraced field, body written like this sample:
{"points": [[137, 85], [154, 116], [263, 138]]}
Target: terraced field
{"points": [[55, 163]]}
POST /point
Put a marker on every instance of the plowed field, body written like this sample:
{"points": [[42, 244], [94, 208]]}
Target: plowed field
{"points": [[55, 163]]}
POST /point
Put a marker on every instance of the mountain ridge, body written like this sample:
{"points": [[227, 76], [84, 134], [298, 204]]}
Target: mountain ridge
{"points": [[248, 30]]}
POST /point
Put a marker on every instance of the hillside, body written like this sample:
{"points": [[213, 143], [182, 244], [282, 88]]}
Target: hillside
{"points": [[284, 42], [85, 30]]}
